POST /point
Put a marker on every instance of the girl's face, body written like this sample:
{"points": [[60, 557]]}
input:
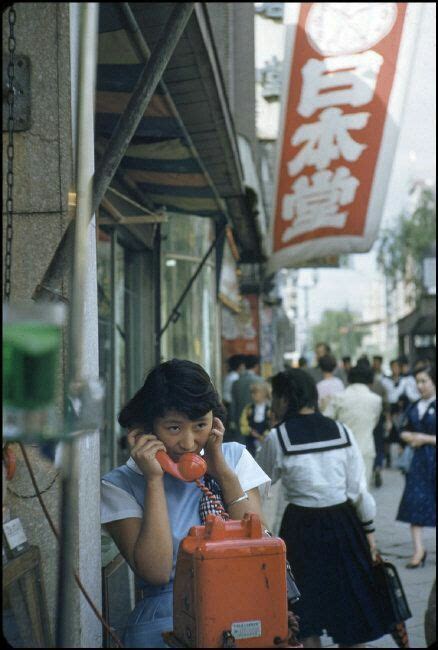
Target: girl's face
{"points": [[258, 394], [425, 385], [181, 435]]}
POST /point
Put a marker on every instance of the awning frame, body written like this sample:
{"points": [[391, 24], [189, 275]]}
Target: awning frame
{"points": [[140, 99], [143, 52], [150, 77]]}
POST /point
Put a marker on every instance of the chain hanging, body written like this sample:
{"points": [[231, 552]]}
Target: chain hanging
{"points": [[10, 153]]}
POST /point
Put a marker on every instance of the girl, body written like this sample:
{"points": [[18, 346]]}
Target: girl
{"points": [[255, 421], [328, 524], [148, 512], [418, 503]]}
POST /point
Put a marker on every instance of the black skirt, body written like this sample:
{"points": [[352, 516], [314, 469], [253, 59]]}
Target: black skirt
{"points": [[331, 561]]}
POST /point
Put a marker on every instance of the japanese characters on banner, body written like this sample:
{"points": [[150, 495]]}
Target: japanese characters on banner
{"points": [[349, 67]]}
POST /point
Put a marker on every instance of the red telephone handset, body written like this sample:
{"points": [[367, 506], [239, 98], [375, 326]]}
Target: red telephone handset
{"points": [[189, 468]]}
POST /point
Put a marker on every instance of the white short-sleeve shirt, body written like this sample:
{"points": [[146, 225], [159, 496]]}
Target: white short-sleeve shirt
{"points": [[117, 503]]}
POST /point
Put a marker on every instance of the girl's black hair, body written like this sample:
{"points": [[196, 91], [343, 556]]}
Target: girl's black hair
{"points": [[429, 369], [297, 387], [176, 385], [327, 363], [361, 374]]}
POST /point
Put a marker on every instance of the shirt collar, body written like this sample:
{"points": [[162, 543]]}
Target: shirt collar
{"points": [[358, 386], [133, 465], [428, 401]]}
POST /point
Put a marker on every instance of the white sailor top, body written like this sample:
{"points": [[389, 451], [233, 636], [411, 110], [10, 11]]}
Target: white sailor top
{"points": [[319, 463]]}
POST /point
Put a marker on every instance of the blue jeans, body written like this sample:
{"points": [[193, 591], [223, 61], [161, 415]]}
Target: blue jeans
{"points": [[150, 617]]}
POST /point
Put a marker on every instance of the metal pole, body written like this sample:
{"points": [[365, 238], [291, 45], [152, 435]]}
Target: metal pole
{"points": [[84, 173], [306, 316], [157, 292], [140, 98]]}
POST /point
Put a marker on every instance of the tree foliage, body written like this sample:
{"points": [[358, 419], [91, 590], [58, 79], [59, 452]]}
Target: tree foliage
{"points": [[401, 250], [341, 330]]}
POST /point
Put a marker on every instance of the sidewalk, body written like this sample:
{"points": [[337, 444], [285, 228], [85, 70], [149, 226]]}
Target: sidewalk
{"points": [[394, 542]]}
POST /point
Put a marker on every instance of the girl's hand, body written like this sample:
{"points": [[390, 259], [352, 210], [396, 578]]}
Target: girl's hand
{"points": [[372, 544], [143, 449], [417, 440], [407, 436], [213, 455]]}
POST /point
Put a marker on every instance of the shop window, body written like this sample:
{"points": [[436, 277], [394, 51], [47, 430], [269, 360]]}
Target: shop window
{"points": [[195, 335], [125, 333]]}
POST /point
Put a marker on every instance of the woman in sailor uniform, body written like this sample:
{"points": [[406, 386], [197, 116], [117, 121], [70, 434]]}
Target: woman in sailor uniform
{"points": [[328, 523]]}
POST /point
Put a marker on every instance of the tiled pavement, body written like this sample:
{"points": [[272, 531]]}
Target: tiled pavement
{"points": [[394, 542]]}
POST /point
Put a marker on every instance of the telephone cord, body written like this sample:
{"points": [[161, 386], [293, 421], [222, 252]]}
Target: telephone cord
{"points": [[215, 501], [56, 533]]}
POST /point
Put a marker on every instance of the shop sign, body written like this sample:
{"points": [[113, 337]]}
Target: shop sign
{"points": [[229, 293], [348, 70], [240, 332]]}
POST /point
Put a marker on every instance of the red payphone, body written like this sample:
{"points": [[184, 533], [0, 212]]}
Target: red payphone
{"points": [[230, 580]]}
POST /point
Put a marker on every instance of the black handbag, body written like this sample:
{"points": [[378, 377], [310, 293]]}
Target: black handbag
{"points": [[393, 600]]}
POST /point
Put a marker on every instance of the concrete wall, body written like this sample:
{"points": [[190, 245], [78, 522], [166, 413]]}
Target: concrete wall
{"points": [[43, 176], [221, 18], [233, 32], [244, 71]]}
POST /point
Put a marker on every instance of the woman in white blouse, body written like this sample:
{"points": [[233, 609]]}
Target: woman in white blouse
{"points": [[328, 523]]}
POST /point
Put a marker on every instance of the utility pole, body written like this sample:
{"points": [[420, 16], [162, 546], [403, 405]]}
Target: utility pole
{"points": [[306, 288]]}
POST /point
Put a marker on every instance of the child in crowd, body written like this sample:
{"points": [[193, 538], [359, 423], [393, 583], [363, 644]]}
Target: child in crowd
{"points": [[255, 421], [148, 512]]}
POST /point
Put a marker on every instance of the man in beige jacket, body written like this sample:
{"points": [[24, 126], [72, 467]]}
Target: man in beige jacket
{"points": [[359, 408]]}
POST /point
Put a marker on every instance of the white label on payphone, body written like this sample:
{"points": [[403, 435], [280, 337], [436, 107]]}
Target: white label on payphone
{"points": [[246, 629]]}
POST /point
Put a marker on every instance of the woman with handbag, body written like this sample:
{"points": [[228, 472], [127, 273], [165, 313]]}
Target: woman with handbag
{"points": [[328, 523], [418, 503]]}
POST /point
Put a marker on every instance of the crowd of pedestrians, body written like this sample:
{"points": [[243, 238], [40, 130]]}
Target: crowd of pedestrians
{"points": [[334, 427]]}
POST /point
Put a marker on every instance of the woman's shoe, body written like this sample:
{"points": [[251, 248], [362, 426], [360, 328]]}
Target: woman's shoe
{"points": [[377, 478], [415, 565]]}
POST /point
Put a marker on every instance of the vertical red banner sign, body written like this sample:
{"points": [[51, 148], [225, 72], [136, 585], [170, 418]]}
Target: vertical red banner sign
{"points": [[349, 67]]}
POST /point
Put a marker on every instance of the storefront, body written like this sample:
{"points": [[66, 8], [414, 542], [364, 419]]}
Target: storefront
{"points": [[164, 207], [161, 241], [417, 331], [195, 333]]}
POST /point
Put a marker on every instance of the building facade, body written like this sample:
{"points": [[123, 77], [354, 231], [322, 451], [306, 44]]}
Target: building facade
{"points": [[183, 198]]}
